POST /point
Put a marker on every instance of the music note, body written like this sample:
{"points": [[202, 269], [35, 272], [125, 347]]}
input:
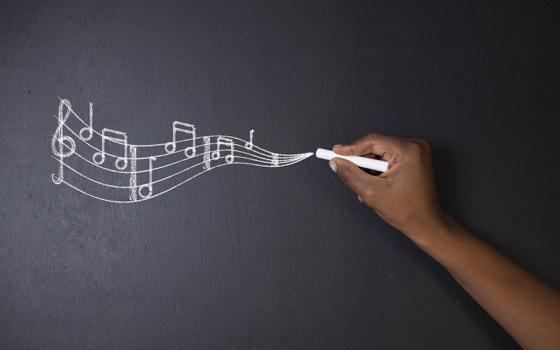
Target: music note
{"points": [[149, 184], [249, 145], [226, 142], [88, 129], [60, 139], [186, 129], [117, 137], [124, 182]]}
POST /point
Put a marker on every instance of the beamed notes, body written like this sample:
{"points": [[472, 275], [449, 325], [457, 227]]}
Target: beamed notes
{"points": [[106, 166]]}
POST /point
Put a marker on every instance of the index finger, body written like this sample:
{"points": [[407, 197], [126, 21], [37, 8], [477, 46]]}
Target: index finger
{"points": [[388, 147]]}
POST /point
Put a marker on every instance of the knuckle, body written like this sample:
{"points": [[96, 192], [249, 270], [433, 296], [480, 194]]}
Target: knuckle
{"points": [[414, 148], [417, 149], [368, 138], [424, 143], [367, 195], [418, 146], [344, 174]]}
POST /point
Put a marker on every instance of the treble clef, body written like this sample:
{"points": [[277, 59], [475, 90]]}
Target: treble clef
{"points": [[62, 141]]}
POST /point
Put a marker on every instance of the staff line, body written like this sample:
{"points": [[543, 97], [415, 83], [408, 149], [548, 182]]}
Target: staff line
{"points": [[256, 159], [232, 149], [174, 174]]}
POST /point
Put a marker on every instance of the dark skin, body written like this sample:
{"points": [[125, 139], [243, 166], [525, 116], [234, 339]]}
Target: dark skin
{"points": [[405, 197]]}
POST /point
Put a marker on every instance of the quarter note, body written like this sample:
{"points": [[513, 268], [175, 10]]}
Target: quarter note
{"points": [[249, 145], [128, 184], [117, 137], [59, 139], [187, 129], [149, 184], [226, 142], [88, 129]]}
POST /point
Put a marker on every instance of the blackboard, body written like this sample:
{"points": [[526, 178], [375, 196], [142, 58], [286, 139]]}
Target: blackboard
{"points": [[251, 258]]}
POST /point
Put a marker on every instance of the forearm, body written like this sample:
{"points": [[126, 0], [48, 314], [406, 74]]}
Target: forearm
{"points": [[526, 307], [405, 196]]}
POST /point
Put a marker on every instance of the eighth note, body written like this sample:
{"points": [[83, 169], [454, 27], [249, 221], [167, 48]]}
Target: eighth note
{"points": [[186, 129], [226, 142], [118, 137], [108, 184]]}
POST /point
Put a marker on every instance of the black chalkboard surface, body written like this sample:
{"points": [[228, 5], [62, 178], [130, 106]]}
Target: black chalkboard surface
{"points": [[271, 258]]}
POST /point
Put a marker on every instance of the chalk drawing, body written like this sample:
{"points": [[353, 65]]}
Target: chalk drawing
{"points": [[145, 171], [206, 156], [58, 139], [249, 144], [185, 129], [133, 172], [88, 129], [117, 137]]}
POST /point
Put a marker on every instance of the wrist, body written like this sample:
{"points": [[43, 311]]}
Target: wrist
{"points": [[431, 235]]}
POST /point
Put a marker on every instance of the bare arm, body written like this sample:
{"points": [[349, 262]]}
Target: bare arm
{"points": [[405, 197]]}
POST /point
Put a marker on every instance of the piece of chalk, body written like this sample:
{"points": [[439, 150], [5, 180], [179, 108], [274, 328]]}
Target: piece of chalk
{"points": [[362, 162]]}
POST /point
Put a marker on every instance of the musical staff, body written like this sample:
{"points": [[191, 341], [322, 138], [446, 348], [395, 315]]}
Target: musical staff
{"points": [[143, 172]]}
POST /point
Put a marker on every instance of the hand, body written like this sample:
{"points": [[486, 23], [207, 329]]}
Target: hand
{"points": [[405, 195]]}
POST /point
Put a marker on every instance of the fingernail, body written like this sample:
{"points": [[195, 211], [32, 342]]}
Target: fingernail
{"points": [[332, 165], [338, 144]]}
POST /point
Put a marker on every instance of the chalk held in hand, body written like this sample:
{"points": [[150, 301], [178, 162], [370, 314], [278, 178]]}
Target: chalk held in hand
{"points": [[362, 162]]}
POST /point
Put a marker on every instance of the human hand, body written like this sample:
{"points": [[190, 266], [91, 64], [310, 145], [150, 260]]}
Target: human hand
{"points": [[404, 196]]}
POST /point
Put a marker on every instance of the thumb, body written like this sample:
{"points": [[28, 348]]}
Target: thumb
{"points": [[355, 178]]}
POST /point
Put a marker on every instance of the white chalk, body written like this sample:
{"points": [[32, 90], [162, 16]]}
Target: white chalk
{"points": [[362, 162]]}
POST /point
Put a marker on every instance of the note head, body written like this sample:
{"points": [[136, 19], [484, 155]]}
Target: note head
{"points": [[169, 147], [123, 163], [146, 195], [98, 158], [89, 132], [190, 152]]}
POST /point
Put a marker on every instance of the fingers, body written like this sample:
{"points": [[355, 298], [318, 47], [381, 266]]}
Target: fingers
{"points": [[378, 144], [362, 183]]}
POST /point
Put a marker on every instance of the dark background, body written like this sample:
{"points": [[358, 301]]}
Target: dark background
{"points": [[260, 258]]}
